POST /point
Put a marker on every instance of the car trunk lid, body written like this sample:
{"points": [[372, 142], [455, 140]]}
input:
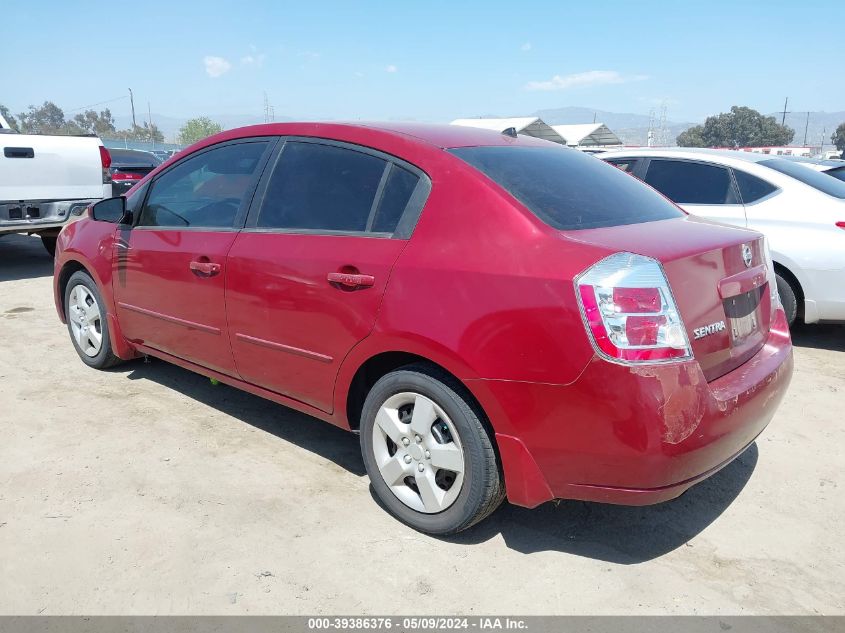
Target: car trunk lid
{"points": [[718, 278]]}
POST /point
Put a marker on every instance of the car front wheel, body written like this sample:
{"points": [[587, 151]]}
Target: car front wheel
{"points": [[86, 322], [430, 459]]}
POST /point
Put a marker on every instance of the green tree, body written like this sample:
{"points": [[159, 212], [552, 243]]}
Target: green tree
{"points": [[4, 111], [146, 132], [91, 122], [837, 139], [741, 127], [197, 129], [46, 119]]}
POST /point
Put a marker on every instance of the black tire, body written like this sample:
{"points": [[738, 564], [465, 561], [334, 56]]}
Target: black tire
{"points": [[482, 490], [105, 358], [788, 298], [49, 242]]}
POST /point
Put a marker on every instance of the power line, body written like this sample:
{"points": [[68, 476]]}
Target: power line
{"points": [[97, 104]]}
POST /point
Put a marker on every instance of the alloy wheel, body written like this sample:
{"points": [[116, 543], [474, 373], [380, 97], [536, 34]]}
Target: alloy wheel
{"points": [[86, 320]]}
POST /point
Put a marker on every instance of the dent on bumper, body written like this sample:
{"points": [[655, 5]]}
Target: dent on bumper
{"points": [[634, 435]]}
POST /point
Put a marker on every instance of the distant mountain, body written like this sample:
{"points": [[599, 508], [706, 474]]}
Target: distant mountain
{"points": [[631, 128], [820, 124]]}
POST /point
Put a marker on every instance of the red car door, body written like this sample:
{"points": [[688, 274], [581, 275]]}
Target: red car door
{"points": [[170, 265], [305, 278]]}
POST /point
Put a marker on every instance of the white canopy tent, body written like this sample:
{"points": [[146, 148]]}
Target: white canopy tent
{"points": [[527, 126], [587, 135]]}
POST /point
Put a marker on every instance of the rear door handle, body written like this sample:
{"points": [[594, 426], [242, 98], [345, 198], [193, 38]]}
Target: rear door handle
{"points": [[205, 268], [351, 280]]}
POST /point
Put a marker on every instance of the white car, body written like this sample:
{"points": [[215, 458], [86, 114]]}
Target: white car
{"points": [[47, 181], [830, 166], [801, 211]]}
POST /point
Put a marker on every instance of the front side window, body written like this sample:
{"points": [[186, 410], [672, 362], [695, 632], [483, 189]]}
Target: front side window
{"points": [[691, 183], [752, 188], [568, 189], [321, 188], [206, 190]]}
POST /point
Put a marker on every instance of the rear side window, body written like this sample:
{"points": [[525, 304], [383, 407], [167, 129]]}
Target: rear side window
{"points": [[691, 183], [322, 188], [815, 179], [752, 188], [206, 190], [568, 189], [399, 186]]}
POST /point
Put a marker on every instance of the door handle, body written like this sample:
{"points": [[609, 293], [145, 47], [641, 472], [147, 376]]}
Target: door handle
{"points": [[205, 268], [351, 280]]}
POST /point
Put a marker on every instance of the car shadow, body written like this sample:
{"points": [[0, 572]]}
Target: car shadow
{"points": [[316, 436], [625, 535], [617, 534], [824, 336], [23, 257]]}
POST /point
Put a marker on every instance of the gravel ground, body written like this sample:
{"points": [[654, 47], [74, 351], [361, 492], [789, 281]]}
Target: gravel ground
{"points": [[148, 490]]}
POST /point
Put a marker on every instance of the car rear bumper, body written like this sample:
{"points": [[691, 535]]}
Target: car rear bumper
{"points": [[632, 435], [39, 215]]}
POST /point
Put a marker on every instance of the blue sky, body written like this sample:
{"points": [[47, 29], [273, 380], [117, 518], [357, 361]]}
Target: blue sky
{"points": [[426, 60]]}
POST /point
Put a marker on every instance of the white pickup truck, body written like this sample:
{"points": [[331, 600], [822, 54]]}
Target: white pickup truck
{"points": [[48, 181]]}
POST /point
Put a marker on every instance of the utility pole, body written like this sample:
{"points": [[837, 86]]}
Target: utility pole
{"points": [[150, 117], [806, 125], [783, 118], [132, 101]]}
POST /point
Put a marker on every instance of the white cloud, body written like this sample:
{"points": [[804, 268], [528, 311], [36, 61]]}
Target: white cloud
{"points": [[589, 78], [216, 66], [358, 73], [256, 60], [309, 55], [526, 47], [391, 68]]}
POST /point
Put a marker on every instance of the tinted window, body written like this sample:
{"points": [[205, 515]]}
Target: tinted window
{"points": [[206, 190], [625, 165], [691, 183], [568, 189], [811, 177], [838, 173], [752, 188], [397, 192], [321, 187]]}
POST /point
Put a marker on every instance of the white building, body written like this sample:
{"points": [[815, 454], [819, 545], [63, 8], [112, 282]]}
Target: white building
{"points": [[588, 135], [527, 126]]}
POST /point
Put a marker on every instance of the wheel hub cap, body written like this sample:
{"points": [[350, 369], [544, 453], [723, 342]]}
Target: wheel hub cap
{"points": [[418, 452]]}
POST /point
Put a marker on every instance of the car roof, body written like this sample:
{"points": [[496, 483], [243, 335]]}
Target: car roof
{"points": [[438, 135], [133, 156], [692, 152]]}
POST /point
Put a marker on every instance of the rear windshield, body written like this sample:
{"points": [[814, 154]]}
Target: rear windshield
{"points": [[815, 179], [567, 189]]}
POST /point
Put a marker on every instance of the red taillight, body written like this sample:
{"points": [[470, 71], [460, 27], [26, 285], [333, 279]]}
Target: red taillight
{"points": [[841, 225], [629, 311], [105, 162], [105, 157]]}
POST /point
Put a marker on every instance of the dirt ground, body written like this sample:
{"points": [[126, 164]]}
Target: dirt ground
{"points": [[148, 490]]}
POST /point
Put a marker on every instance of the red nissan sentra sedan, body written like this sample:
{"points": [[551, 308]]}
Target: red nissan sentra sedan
{"points": [[494, 315]]}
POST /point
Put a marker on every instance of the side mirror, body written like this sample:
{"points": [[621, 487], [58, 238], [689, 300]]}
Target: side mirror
{"points": [[110, 210]]}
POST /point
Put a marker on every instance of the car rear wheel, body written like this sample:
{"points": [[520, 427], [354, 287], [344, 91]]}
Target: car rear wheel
{"points": [[86, 322], [788, 298], [430, 459]]}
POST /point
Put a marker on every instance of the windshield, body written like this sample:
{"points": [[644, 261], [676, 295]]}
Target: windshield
{"points": [[568, 189], [815, 179]]}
